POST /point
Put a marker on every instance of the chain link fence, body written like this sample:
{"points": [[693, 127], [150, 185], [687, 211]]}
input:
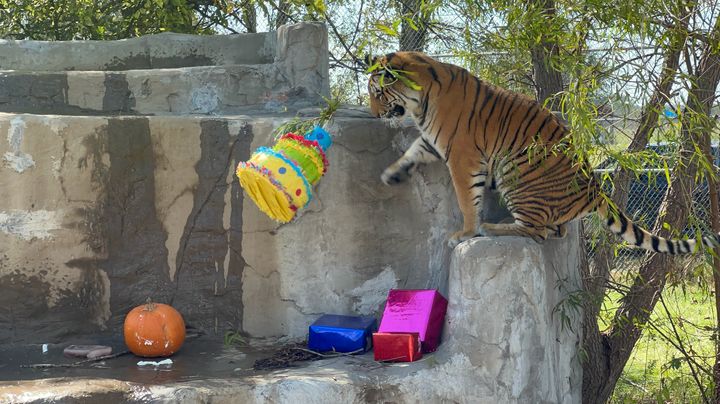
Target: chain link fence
{"points": [[645, 197]]}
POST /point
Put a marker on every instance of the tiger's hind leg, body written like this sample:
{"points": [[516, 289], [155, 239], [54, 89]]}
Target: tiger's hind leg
{"points": [[470, 181], [557, 230], [420, 152], [538, 234]]}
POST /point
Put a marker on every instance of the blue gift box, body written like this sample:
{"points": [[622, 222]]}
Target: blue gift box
{"points": [[338, 333]]}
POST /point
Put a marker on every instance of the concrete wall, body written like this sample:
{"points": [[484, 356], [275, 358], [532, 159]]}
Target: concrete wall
{"points": [[510, 337], [101, 213]]}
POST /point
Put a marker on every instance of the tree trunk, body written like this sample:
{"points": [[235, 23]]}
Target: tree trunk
{"points": [[595, 279], [249, 16], [410, 38], [596, 346], [614, 348], [548, 80]]}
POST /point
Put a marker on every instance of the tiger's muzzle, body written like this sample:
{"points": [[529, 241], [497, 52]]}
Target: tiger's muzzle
{"points": [[397, 110]]}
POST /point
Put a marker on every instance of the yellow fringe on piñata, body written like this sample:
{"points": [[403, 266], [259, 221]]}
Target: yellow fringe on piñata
{"points": [[274, 184], [268, 198]]}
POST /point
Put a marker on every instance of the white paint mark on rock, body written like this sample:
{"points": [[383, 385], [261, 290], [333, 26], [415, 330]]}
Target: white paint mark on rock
{"points": [[371, 294], [56, 166], [29, 225], [15, 158], [104, 312], [55, 124]]}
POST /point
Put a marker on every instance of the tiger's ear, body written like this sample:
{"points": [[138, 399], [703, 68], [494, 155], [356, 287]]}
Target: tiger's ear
{"points": [[371, 63]]}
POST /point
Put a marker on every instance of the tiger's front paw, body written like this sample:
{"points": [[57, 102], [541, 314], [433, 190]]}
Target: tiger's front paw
{"points": [[394, 175]]}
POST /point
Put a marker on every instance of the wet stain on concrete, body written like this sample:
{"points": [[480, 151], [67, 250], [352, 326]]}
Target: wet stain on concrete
{"points": [[125, 220], [25, 92], [118, 98], [25, 297], [181, 61], [125, 232], [213, 300], [146, 61], [386, 394], [136, 261], [133, 61]]}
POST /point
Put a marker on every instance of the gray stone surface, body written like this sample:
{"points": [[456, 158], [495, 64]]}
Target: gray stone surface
{"points": [[302, 53], [209, 90], [295, 75], [167, 50], [357, 239], [509, 319]]}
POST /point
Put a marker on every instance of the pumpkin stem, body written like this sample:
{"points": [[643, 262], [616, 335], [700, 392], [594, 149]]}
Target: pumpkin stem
{"points": [[149, 305]]}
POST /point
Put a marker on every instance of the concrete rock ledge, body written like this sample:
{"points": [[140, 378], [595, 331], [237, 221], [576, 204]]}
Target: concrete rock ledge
{"points": [[166, 50], [508, 318], [209, 90], [503, 343]]}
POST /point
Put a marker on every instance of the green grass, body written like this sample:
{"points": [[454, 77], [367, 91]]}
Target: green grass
{"points": [[656, 371]]}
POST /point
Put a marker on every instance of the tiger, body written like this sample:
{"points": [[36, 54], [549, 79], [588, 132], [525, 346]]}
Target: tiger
{"points": [[494, 139]]}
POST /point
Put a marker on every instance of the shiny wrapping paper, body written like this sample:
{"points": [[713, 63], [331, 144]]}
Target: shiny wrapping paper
{"points": [[397, 347], [421, 311], [338, 333]]}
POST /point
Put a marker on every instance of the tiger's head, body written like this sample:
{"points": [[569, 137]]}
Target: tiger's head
{"points": [[395, 83]]}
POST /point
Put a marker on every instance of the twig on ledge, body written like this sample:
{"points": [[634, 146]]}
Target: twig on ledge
{"points": [[74, 364]]}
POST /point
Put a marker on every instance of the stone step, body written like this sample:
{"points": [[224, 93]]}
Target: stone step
{"points": [[166, 50], [75, 78], [214, 90]]}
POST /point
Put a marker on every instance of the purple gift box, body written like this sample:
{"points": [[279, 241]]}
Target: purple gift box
{"points": [[421, 311]]}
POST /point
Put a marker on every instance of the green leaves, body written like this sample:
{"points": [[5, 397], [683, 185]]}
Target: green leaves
{"points": [[319, 5], [373, 68], [397, 74], [391, 31], [95, 19], [409, 83]]}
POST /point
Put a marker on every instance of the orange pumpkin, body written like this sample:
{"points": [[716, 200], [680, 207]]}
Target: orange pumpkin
{"points": [[154, 329]]}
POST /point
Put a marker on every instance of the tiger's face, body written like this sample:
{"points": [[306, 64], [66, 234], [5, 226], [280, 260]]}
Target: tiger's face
{"points": [[386, 96], [390, 97]]}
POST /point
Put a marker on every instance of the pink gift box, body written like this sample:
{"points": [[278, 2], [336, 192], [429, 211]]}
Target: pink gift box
{"points": [[421, 311]]}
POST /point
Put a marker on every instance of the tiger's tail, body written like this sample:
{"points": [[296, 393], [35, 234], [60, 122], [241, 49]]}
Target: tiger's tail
{"points": [[621, 225]]}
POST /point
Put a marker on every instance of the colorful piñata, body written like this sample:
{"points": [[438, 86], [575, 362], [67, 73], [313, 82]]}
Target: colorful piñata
{"points": [[279, 179]]}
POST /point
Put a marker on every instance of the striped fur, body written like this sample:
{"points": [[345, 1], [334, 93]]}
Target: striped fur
{"points": [[494, 138]]}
